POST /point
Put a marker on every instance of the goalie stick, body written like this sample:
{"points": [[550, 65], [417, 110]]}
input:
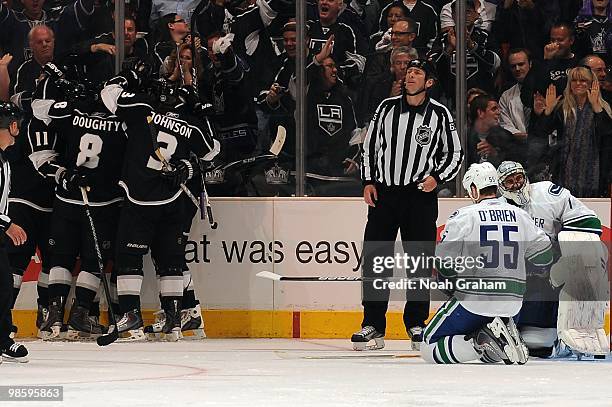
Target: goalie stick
{"points": [[110, 337]]}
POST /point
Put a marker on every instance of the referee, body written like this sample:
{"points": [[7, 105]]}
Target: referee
{"points": [[411, 146], [9, 128]]}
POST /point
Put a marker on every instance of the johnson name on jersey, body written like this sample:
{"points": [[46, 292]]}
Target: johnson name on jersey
{"points": [[503, 237]]}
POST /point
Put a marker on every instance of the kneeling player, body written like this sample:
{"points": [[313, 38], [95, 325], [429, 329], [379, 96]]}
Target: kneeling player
{"points": [[477, 322], [543, 319]]}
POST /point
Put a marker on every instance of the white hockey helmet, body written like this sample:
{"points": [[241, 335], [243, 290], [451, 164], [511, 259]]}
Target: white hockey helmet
{"points": [[518, 194], [481, 176]]}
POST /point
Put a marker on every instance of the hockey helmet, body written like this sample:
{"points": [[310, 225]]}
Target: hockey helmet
{"points": [[518, 191], [9, 113], [481, 175]]}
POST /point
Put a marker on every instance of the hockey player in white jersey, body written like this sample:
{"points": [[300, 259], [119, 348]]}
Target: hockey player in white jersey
{"points": [[477, 322], [578, 318]]}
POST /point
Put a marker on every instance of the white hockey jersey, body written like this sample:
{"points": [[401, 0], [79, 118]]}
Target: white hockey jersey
{"points": [[501, 236], [553, 208]]}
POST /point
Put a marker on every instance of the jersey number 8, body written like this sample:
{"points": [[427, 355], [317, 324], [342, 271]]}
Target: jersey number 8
{"points": [[90, 148]]}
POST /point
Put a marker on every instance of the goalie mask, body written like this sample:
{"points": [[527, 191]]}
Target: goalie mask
{"points": [[481, 176], [513, 182]]}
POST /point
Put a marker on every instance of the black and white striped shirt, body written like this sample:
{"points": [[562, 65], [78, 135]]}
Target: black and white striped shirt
{"points": [[5, 186], [405, 144]]}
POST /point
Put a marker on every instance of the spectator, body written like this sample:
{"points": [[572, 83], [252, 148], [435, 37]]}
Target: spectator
{"points": [[99, 52], [593, 28], [426, 21], [5, 80], [181, 73], [390, 84], [480, 13], [598, 66], [481, 61], [331, 122], [580, 157], [471, 94], [171, 32], [487, 141], [514, 115], [42, 43], [403, 34], [347, 56], [390, 15], [521, 24], [161, 8], [368, 11], [68, 25], [234, 116], [558, 58]]}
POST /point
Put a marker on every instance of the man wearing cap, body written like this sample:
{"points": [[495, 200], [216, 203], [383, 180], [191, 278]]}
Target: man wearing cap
{"points": [[411, 146]]}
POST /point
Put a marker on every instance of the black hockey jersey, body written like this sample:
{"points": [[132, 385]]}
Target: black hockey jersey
{"points": [[28, 186], [175, 133], [92, 140]]}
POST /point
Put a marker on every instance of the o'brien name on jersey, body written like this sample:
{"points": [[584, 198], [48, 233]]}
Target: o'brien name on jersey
{"points": [[95, 123], [459, 284], [171, 124]]}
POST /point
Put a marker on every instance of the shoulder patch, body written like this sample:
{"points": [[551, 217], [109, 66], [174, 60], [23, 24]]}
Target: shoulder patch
{"points": [[555, 190], [454, 214]]}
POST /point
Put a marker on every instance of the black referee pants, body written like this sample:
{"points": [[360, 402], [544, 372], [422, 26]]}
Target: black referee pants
{"points": [[414, 213], [6, 296]]}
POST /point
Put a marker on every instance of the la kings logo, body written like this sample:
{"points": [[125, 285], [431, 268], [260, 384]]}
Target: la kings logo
{"points": [[330, 118], [423, 135]]}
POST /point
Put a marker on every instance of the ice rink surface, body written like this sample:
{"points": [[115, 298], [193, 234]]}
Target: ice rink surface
{"points": [[285, 372]]}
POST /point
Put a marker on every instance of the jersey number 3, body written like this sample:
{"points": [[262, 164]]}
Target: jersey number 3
{"points": [[90, 148], [492, 261], [171, 143]]}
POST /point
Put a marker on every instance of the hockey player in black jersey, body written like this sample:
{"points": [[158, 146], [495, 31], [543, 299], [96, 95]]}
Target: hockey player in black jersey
{"points": [[153, 214], [31, 204], [90, 148]]}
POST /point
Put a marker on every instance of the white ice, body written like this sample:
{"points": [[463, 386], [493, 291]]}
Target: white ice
{"points": [[284, 372]]}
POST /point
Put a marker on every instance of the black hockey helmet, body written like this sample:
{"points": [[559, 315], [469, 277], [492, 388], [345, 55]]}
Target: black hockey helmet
{"points": [[9, 113], [424, 65]]}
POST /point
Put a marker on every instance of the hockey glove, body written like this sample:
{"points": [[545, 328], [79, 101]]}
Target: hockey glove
{"points": [[71, 180], [181, 171]]}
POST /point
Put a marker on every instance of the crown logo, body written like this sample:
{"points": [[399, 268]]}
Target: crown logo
{"points": [[277, 175], [215, 176]]}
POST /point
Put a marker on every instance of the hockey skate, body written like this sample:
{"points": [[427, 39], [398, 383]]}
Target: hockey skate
{"points": [[53, 327], [14, 352], [172, 325], [81, 326], [41, 318], [192, 323], [362, 340], [416, 337], [498, 341], [154, 331], [130, 327]]}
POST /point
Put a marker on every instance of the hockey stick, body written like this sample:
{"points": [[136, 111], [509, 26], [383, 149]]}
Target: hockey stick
{"points": [[277, 277], [273, 152], [110, 337]]}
